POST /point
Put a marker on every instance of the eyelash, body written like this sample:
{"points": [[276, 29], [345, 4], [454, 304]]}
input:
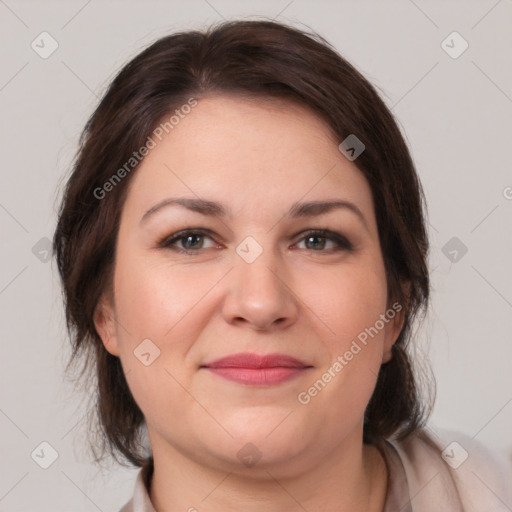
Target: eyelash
{"points": [[341, 242]]}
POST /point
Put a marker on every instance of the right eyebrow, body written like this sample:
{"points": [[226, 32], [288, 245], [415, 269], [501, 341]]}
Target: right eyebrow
{"points": [[201, 206]]}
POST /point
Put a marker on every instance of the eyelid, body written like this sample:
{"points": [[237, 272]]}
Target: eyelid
{"points": [[341, 241], [183, 233]]}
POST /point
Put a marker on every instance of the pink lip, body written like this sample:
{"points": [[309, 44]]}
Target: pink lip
{"points": [[257, 370]]}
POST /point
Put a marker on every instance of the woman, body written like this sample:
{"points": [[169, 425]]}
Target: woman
{"points": [[243, 253]]}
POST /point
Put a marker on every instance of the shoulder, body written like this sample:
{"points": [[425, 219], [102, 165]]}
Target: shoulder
{"points": [[128, 507], [451, 468], [140, 501]]}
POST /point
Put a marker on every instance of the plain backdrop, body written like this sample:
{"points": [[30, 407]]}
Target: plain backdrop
{"points": [[454, 112]]}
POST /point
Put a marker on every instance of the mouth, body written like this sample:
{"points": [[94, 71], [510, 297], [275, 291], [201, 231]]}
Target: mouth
{"points": [[257, 370]]}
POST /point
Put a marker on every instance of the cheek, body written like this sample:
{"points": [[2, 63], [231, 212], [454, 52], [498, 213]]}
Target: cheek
{"points": [[348, 300], [157, 324], [350, 304], [170, 306], [154, 299]]}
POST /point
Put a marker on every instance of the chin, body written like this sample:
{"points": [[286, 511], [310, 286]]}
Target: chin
{"points": [[262, 438]]}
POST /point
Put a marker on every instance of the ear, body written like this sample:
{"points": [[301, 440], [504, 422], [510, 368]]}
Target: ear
{"points": [[104, 321], [393, 329], [396, 324]]}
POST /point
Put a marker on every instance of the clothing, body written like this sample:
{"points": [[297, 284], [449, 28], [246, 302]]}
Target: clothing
{"points": [[420, 478]]}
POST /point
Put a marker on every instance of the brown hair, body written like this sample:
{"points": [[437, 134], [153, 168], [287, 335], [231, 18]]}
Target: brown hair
{"points": [[263, 59]]}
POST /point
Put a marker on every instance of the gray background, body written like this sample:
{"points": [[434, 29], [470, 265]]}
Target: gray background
{"points": [[456, 114]]}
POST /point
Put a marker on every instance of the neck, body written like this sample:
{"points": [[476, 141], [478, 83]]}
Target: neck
{"points": [[352, 477]]}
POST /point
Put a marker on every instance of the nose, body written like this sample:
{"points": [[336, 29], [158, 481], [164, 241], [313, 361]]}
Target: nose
{"points": [[259, 294]]}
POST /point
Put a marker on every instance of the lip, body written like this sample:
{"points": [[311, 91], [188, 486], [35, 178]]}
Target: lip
{"points": [[257, 370]]}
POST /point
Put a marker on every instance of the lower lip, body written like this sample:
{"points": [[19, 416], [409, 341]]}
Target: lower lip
{"points": [[258, 376]]}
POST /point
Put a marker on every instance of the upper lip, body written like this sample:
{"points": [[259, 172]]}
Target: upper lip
{"points": [[256, 361]]}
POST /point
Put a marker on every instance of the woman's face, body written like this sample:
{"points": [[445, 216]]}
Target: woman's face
{"points": [[249, 279]]}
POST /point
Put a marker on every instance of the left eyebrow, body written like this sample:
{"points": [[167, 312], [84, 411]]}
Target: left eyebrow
{"points": [[297, 210], [315, 208]]}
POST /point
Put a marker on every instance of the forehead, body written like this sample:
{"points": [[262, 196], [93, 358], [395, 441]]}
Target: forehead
{"points": [[250, 152]]}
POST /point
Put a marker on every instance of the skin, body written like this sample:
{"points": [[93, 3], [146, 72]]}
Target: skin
{"points": [[303, 299]]}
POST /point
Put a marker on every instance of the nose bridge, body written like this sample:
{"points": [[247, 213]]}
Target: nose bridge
{"points": [[258, 267], [258, 292]]}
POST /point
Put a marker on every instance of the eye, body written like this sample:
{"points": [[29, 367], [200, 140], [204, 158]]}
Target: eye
{"points": [[317, 240], [191, 241], [187, 241]]}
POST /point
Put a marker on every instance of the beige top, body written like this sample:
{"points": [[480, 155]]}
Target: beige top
{"points": [[451, 474]]}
